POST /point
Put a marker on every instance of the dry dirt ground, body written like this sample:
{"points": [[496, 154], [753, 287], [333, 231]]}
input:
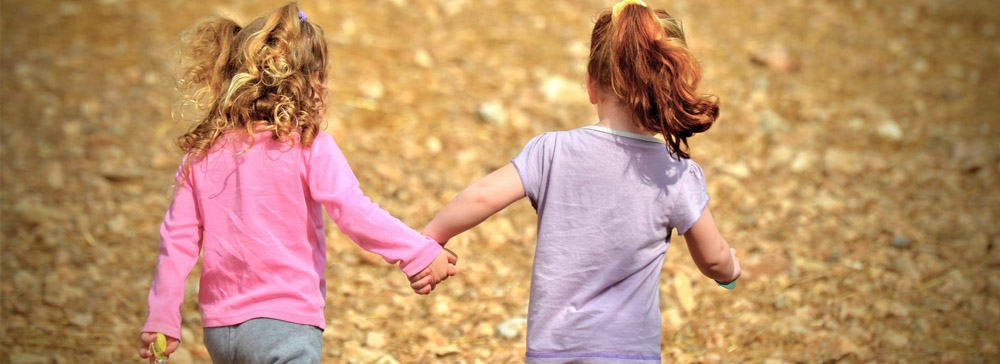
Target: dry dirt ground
{"points": [[855, 167]]}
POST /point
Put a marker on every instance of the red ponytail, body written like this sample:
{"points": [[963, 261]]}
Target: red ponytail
{"points": [[641, 57]]}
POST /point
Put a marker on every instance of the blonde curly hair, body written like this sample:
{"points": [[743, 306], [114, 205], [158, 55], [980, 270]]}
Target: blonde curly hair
{"points": [[269, 75]]}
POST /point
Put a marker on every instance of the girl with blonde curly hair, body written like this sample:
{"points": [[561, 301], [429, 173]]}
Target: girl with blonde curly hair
{"points": [[250, 193]]}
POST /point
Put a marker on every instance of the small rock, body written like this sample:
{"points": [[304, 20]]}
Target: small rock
{"points": [[492, 112], [433, 336], [908, 15], [898, 340], [70, 8], [484, 329], [899, 309], [774, 57], [511, 328], [771, 121], [780, 302], [993, 253], [54, 174], [558, 89], [841, 161], [989, 348], [434, 145], [354, 353], [82, 320], [372, 89], [672, 318], [33, 212], [452, 7], [739, 170], [123, 174], [423, 58], [989, 29], [900, 241], [445, 350], [72, 129], [442, 306], [890, 130], [388, 359], [845, 347], [91, 108], [337, 330], [711, 358], [781, 155], [921, 66], [802, 162], [22, 358], [682, 286], [376, 340], [150, 78], [118, 224], [775, 361], [971, 156]]}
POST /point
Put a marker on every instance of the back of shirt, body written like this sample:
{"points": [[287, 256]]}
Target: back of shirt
{"points": [[607, 202], [254, 212]]}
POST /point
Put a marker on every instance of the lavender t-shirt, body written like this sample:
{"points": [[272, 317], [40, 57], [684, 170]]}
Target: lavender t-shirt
{"points": [[607, 201]]}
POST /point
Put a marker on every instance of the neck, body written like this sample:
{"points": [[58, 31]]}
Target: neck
{"points": [[612, 115]]}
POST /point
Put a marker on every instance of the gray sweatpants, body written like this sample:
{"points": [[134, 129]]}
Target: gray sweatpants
{"points": [[264, 341]]}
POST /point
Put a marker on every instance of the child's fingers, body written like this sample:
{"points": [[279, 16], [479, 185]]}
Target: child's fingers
{"points": [[172, 345], [146, 338], [425, 281], [452, 257], [424, 290], [452, 270], [420, 275]]}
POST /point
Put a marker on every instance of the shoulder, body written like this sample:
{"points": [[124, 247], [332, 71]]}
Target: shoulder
{"points": [[551, 138], [321, 142], [538, 140], [323, 138], [692, 166], [691, 172]]}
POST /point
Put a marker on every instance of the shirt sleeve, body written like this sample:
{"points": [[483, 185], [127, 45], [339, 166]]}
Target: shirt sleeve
{"points": [[180, 245], [692, 198], [333, 183], [530, 164]]}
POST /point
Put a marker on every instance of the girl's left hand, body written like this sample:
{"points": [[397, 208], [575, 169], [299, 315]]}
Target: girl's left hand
{"points": [[148, 337]]}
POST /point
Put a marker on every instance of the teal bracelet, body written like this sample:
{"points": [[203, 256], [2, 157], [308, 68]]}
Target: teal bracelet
{"points": [[729, 285]]}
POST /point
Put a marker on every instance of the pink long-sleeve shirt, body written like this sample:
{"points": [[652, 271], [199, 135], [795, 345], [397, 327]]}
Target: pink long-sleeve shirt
{"points": [[256, 216]]}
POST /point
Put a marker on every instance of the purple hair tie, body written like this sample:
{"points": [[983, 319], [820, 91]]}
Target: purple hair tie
{"points": [[302, 15]]}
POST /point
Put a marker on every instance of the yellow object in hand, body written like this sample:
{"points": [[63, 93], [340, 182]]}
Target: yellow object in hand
{"points": [[158, 346]]}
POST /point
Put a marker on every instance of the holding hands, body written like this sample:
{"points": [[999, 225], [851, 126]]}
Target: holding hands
{"points": [[440, 269]]}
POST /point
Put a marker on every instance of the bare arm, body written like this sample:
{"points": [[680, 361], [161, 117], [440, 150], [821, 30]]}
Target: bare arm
{"points": [[711, 252], [476, 203]]}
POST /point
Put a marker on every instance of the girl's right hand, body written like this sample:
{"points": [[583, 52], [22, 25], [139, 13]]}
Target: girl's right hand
{"points": [[149, 337]]}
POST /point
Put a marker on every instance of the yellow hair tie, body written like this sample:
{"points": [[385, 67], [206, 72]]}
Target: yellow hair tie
{"points": [[619, 6]]}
